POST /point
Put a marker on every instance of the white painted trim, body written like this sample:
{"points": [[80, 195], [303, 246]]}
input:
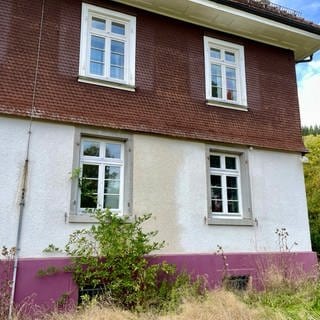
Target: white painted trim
{"points": [[105, 83], [240, 72], [314, 38], [125, 201], [215, 103], [130, 48]]}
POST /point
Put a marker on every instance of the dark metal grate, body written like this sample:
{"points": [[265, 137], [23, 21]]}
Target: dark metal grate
{"points": [[237, 282], [90, 292]]}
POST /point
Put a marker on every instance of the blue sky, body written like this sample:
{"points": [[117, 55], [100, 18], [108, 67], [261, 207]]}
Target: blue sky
{"points": [[308, 74]]}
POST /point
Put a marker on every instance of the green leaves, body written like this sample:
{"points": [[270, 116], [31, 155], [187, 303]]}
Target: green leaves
{"points": [[113, 254], [312, 180]]}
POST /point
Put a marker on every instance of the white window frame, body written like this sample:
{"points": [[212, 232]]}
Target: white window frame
{"points": [[78, 215], [223, 172], [245, 216], [129, 39], [239, 65], [102, 162]]}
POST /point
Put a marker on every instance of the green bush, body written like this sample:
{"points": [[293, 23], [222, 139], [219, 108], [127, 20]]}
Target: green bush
{"points": [[112, 255]]}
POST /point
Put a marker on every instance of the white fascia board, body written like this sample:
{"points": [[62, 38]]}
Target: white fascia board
{"points": [[278, 34]]}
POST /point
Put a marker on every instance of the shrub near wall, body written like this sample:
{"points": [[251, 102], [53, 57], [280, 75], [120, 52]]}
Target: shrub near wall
{"points": [[111, 256]]}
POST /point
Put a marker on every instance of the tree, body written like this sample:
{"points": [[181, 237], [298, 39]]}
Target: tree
{"points": [[312, 179]]}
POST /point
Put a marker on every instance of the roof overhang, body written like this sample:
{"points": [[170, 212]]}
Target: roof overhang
{"points": [[231, 20]]}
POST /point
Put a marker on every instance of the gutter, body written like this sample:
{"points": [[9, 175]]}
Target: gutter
{"points": [[270, 15], [309, 59]]}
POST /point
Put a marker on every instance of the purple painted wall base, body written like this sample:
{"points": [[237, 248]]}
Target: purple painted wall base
{"points": [[46, 292]]}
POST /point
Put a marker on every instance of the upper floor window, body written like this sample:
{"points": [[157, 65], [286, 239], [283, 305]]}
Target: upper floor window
{"points": [[107, 47], [225, 73]]}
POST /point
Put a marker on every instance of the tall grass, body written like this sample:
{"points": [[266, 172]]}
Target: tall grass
{"points": [[282, 298], [218, 305]]}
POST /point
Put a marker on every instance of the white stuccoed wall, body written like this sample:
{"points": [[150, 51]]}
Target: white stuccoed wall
{"points": [[169, 180]]}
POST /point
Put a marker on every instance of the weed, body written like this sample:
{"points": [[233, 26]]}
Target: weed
{"points": [[6, 272]]}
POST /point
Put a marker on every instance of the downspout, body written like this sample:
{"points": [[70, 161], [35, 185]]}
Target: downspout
{"points": [[25, 172], [310, 58]]}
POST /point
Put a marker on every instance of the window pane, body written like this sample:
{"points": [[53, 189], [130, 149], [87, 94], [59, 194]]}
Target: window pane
{"points": [[117, 47], [113, 150], [231, 73], [112, 172], [97, 55], [118, 28], [112, 186], [216, 70], [215, 53], [96, 68], [97, 42], [215, 181], [216, 92], [231, 84], [231, 163], [232, 194], [216, 81], [116, 72], [233, 206], [216, 205], [89, 185], [111, 201], [232, 95], [91, 148], [216, 193], [98, 23], [215, 162], [88, 201], [232, 182], [230, 57], [117, 59], [90, 171]]}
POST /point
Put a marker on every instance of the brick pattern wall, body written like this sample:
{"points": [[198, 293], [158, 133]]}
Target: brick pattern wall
{"points": [[170, 93]]}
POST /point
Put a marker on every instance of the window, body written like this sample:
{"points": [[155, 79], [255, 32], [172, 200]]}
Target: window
{"points": [[225, 73], [101, 178], [107, 47], [225, 184], [229, 186]]}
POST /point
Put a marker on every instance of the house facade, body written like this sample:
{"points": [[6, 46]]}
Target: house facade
{"points": [[185, 109]]}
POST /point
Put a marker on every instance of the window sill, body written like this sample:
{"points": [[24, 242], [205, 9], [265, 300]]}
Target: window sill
{"points": [[106, 83], [227, 105], [81, 218], [224, 221], [86, 218]]}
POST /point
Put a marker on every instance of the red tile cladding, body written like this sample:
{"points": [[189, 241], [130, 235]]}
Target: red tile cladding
{"points": [[170, 87]]}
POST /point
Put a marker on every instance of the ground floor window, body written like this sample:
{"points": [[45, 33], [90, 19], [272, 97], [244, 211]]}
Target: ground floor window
{"points": [[225, 184], [101, 174], [229, 194]]}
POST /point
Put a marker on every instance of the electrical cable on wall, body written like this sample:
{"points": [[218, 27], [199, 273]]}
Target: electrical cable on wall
{"points": [[25, 168]]}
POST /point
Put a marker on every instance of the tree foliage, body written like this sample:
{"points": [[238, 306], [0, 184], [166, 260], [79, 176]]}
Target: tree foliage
{"points": [[312, 179], [310, 130]]}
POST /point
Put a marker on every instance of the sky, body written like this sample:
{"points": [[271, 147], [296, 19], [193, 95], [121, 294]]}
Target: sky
{"points": [[308, 74]]}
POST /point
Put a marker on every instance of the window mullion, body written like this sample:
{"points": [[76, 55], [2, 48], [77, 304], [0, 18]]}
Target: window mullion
{"points": [[224, 81], [101, 176], [101, 185], [224, 194], [107, 56]]}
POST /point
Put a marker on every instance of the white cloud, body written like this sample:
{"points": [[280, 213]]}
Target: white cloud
{"points": [[309, 99]]}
